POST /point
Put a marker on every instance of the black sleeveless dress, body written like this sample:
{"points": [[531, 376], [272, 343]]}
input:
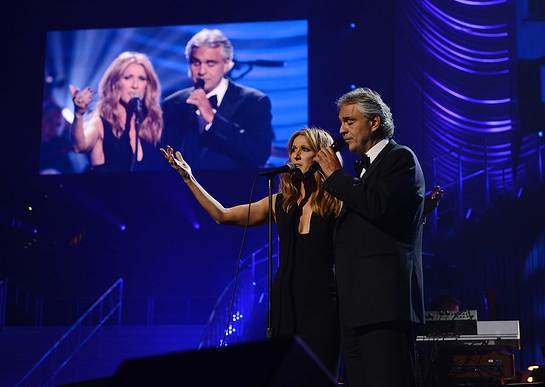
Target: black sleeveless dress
{"points": [[304, 297], [118, 153]]}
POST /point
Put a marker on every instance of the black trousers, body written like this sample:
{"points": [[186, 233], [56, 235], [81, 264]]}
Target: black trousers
{"points": [[380, 355]]}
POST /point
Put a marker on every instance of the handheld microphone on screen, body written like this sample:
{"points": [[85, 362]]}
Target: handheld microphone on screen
{"points": [[289, 167], [199, 83], [337, 145]]}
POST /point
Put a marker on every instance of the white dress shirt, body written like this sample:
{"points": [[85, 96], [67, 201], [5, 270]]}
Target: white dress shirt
{"points": [[374, 151]]}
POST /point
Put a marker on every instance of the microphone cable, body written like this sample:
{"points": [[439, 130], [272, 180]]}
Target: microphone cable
{"points": [[237, 271]]}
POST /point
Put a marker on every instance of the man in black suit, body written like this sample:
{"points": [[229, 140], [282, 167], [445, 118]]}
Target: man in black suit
{"points": [[377, 244], [217, 124]]}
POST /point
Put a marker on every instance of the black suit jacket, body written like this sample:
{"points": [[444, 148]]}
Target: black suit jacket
{"points": [[240, 135], [378, 239]]}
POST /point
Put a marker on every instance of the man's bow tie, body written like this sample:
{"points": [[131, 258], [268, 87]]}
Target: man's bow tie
{"points": [[213, 101], [362, 163]]}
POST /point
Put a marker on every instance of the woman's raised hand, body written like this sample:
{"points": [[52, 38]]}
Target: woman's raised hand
{"points": [[177, 162], [81, 99]]}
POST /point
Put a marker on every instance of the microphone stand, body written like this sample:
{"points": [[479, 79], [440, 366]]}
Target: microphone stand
{"points": [[290, 167], [270, 259], [137, 123]]}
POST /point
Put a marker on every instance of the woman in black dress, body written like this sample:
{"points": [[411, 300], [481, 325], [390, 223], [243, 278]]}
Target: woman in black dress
{"points": [[304, 300], [129, 90]]}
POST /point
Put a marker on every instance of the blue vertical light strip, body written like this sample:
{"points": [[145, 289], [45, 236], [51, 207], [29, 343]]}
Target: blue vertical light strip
{"points": [[542, 79]]}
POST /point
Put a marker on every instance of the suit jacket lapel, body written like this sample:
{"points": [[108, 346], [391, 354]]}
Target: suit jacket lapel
{"points": [[374, 165], [230, 101], [372, 168]]}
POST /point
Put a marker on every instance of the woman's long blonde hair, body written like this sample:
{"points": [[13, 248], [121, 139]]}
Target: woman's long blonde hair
{"points": [[323, 203], [109, 96]]}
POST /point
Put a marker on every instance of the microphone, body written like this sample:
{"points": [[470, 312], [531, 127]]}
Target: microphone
{"points": [[136, 106], [199, 83], [337, 145], [289, 167]]}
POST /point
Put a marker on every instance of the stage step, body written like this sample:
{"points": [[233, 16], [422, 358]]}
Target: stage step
{"points": [[21, 347]]}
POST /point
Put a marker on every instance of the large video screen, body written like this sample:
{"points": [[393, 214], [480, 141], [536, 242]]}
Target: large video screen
{"points": [[227, 96]]}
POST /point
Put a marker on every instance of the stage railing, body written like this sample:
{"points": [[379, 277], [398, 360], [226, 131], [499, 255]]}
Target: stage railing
{"points": [[44, 372], [248, 316], [507, 176]]}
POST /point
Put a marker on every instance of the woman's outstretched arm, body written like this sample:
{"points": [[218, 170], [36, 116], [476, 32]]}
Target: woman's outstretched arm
{"points": [[237, 215]]}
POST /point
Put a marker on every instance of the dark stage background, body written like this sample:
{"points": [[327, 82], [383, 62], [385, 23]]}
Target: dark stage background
{"points": [[485, 245]]}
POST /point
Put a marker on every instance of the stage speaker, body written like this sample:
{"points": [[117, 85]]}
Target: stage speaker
{"points": [[272, 363]]}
